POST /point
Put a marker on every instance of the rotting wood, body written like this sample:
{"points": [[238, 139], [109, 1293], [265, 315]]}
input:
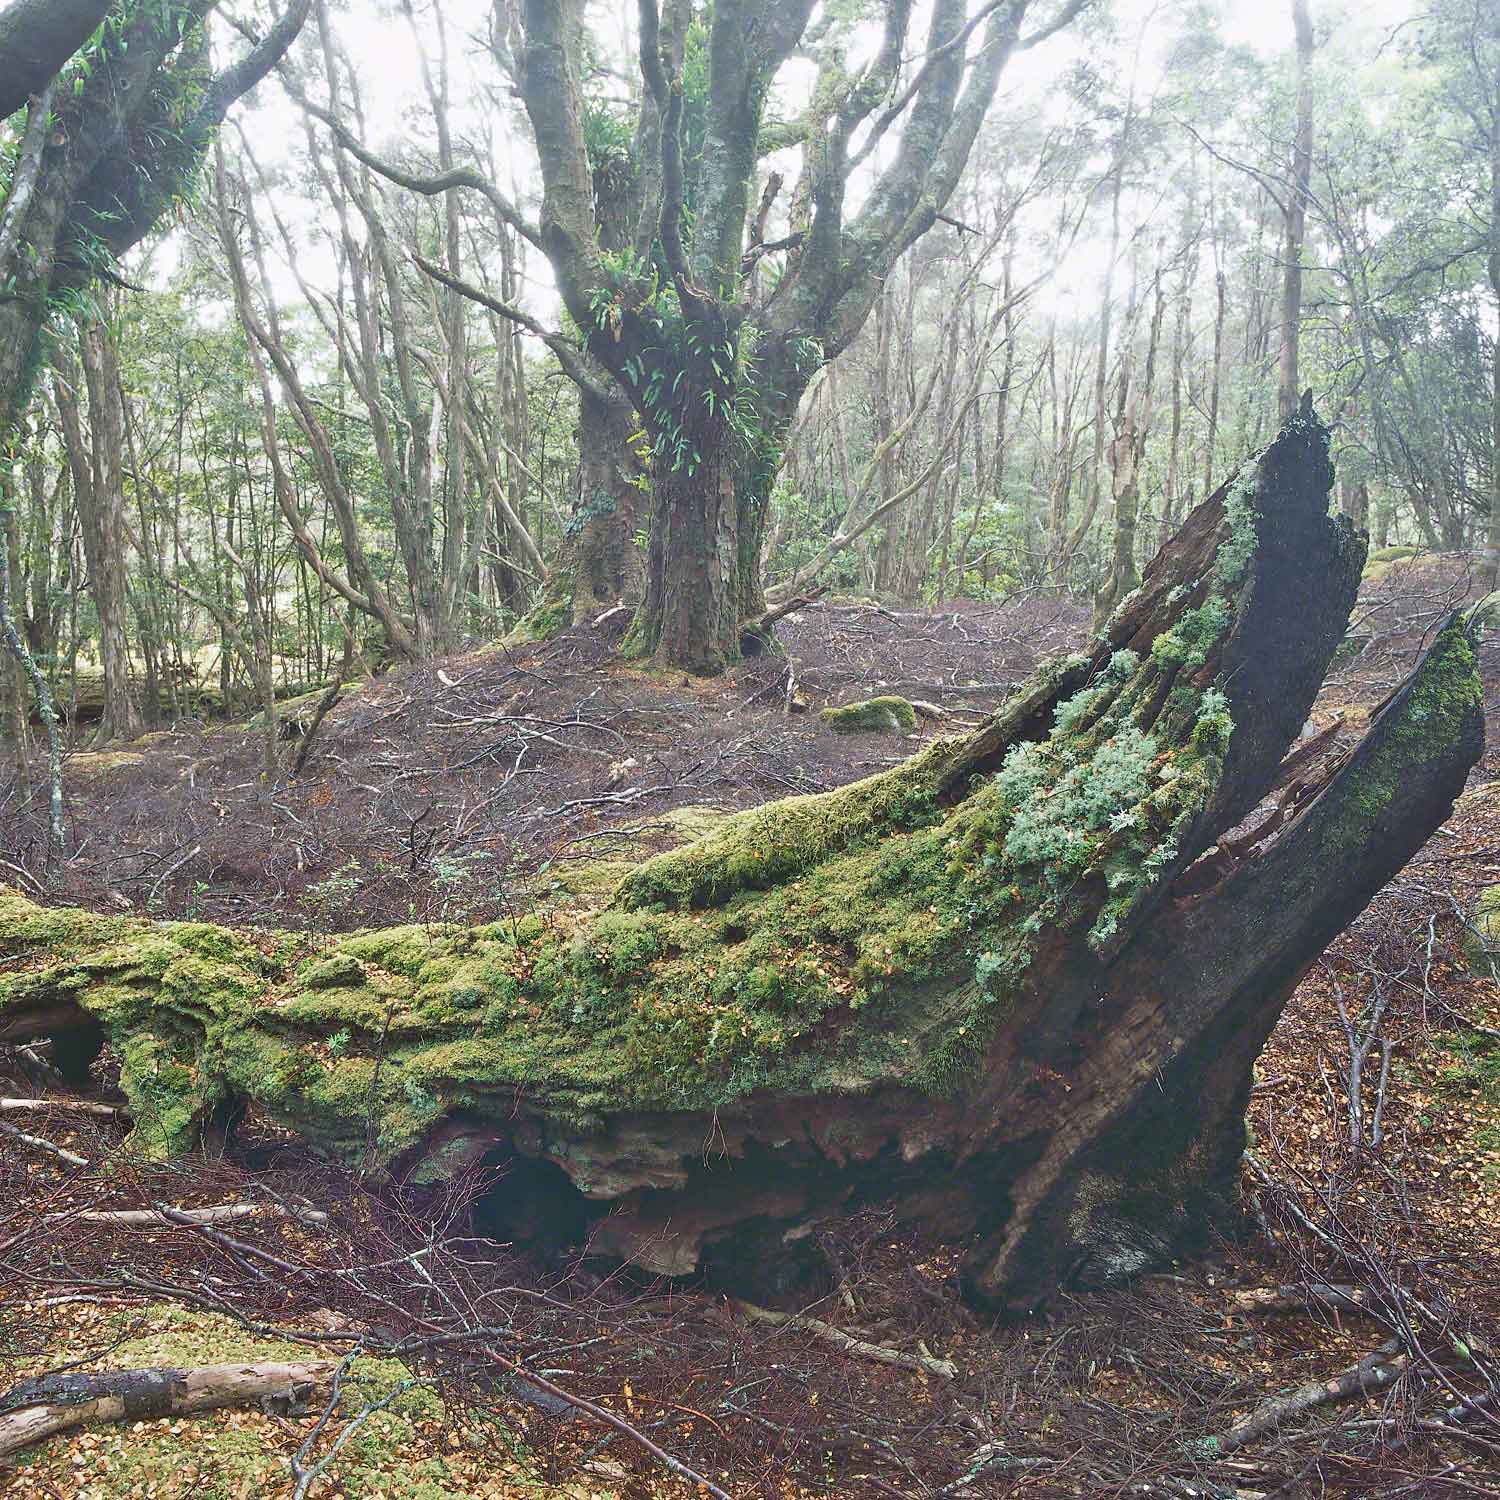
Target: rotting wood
{"points": [[38, 1409], [996, 987]]}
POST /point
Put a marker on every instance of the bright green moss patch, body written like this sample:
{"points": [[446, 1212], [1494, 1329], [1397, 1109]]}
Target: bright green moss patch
{"points": [[1380, 562], [887, 715], [549, 618], [765, 845]]}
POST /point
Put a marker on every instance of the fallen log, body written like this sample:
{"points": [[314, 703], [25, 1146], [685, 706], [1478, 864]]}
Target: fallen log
{"points": [[35, 1410], [1013, 987]]}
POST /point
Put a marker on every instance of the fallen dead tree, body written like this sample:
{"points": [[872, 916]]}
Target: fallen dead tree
{"points": [[1015, 985]]}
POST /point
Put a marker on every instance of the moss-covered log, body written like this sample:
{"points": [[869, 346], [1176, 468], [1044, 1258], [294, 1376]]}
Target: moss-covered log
{"points": [[1014, 985]]}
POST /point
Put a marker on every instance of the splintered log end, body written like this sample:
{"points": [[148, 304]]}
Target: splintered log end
{"points": [[994, 986]]}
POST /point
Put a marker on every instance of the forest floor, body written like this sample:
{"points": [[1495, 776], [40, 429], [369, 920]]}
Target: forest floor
{"points": [[446, 794]]}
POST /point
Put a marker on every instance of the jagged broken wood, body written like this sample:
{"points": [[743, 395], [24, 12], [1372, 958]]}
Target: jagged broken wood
{"points": [[1013, 988]]}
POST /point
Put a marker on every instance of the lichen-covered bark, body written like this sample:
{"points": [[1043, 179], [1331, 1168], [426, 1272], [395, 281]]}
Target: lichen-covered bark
{"points": [[977, 984]]}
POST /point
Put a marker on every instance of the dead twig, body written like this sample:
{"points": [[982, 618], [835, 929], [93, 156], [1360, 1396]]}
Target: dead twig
{"points": [[881, 1353]]}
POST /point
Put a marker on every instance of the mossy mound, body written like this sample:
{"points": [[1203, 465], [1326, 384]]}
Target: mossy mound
{"points": [[1482, 940], [1380, 562], [550, 617], [399, 1453], [887, 715]]}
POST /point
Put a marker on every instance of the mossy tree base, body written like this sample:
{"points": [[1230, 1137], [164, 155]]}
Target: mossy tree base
{"points": [[999, 985]]}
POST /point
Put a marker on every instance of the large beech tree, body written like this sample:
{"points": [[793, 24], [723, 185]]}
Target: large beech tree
{"points": [[713, 329], [1015, 986]]}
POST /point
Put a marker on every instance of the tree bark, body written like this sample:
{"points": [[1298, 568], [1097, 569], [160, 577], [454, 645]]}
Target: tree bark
{"points": [[37, 37], [38, 1409], [1295, 217], [997, 987], [96, 460]]}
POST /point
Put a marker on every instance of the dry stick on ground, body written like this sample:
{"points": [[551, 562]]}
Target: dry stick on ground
{"points": [[36, 1409], [881, 1353], [154, 1218], [1302, 1296], [64, 1106], [71, 1157], [1374, 1372]]}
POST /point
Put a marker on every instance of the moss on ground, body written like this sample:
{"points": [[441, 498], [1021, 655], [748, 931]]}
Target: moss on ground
{"points": [[886, 715], [1380, 562], [550, 617], [240, 1454], [1482, 939]]}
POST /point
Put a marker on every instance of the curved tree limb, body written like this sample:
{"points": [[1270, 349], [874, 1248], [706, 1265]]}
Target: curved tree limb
{"points": [[37, 37]]}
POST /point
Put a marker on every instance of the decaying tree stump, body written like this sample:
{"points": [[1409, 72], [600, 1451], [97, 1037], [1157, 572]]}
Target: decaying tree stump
{"points": [[1014, 986]]}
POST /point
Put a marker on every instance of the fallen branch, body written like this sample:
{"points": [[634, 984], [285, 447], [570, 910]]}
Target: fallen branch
{"points": [[929, 710], [1300, 1297], [71, 1157], [880, 1353], [1375, 1371], [220, 1213], [326, 702], [69, 1106], [37, 1409]]}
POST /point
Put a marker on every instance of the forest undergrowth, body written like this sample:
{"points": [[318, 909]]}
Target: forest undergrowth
{"points": [[1346, 1345]]}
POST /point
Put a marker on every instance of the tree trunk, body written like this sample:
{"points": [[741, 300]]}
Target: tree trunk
{"points": [[96, 461], [692, 613], [1012, 987], [1491, 564], [598, 564], [1295, 217]]}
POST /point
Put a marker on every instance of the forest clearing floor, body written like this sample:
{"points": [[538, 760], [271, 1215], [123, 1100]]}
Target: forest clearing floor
{"points": [[452, 793]]}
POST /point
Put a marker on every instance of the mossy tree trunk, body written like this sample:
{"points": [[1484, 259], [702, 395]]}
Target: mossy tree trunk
{"points": [[1014, 986]]}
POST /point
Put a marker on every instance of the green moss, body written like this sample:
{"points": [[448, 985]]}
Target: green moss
{"points": [[765, 845], [547, 619], [1379, 564], [1482, 938], [887, 715], [218, 1456], [1433, 710]]}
